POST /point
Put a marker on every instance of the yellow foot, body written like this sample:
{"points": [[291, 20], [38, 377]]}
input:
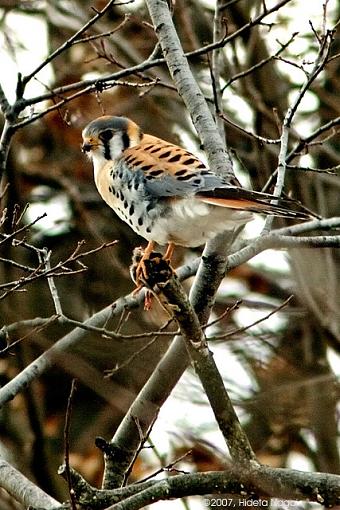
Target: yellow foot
{"points": [[141, 271]]}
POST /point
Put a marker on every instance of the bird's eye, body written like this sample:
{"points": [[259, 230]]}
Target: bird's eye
{"points": [[105, 136]]}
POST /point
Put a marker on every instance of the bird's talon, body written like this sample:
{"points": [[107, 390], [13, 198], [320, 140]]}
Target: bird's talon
{"points": [[141, 271], [148, 301], [137, 289]]}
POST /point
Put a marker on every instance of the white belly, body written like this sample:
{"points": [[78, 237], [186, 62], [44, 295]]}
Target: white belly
{"points": [[193, 222]]}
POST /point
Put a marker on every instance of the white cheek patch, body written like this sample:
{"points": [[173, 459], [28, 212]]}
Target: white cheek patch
{"points": [[116, 146]]}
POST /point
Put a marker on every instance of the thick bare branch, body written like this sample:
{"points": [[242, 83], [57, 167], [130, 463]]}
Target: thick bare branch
{"points": [[255, 484], [132, 432], [174, 299], [188, 88], [208, 278], [23, 490]]}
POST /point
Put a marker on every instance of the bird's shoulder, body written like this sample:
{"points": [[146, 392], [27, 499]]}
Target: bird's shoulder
{"points": [[156, 157]]}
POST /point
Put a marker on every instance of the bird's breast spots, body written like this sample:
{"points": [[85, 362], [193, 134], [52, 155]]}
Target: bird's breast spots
{"points": [[113, 191], [122, 213], [149, 207]]}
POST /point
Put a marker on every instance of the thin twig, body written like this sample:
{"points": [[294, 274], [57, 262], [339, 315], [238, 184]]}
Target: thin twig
{"points": [[260, 64], [223, 315], [255, 323], [259, 138], [332, 170], [91, 84], [9, 237], [319, 65], [98, 85], [90, 38], [46, 260], [67, 444], [304, 142], [13, 263], [168, 467], [38, 324], [155, 336], [67, 44]]}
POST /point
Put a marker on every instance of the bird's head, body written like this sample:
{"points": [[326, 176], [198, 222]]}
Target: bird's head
{"points": [[107, 137]]}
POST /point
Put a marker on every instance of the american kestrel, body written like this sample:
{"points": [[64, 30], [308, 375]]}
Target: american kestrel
{"points": [[165, 193]]}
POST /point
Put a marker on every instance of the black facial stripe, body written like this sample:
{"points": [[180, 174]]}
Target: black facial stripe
{"points": [[126, 140], [106, 135], [107, 152]]}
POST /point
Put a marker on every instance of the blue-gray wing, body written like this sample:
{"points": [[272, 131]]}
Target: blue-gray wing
{"points": [[166, 170], [168, 185]]}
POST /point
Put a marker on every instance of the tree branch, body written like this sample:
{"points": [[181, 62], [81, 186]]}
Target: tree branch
{"points": [[174, 299], [256, 483], [67, 44], [137, 422], [23, 490], [188, 89], [202, 293]]}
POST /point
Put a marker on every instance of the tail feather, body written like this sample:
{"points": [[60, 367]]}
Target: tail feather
{"points": [[254, 201]]}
